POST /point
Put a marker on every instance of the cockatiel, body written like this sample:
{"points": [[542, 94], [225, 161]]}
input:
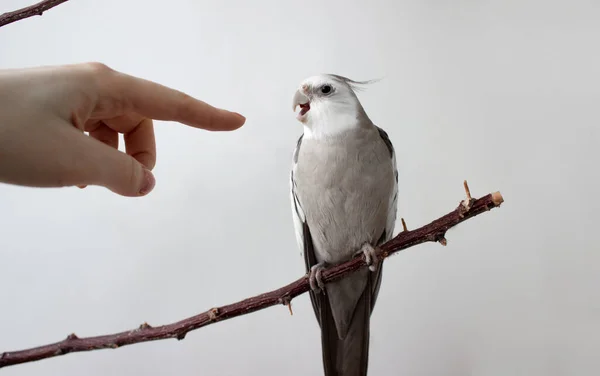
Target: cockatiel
{"points": [[344, 185]]}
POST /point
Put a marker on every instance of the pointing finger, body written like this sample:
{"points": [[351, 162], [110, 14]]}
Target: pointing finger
{"points": [[124, 93]]}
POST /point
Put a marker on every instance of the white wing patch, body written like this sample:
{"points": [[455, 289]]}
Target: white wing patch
{"points": [[297, 212]]}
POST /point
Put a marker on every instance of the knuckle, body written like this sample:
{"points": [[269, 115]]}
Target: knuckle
{"points": [[186, 103], [211, 120], [103, 83], [97, 68], [96, 72]]}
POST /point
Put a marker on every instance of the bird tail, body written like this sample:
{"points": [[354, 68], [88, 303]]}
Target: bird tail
{"points": [[348, 356]]}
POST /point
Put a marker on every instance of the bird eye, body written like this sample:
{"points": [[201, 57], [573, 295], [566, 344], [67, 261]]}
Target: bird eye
{"points": [[326, 89]]}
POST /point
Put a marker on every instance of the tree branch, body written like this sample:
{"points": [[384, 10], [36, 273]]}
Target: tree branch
{"points": [[434, 231], [30, 11]]}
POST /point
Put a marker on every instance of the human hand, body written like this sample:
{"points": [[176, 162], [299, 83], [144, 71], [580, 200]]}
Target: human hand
{"points": [[45, 111]]}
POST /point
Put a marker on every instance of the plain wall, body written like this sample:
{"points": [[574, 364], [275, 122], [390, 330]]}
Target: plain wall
{"points": [[504, 94]]}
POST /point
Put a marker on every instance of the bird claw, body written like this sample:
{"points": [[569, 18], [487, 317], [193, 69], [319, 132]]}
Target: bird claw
{"points": [[315, 279], [370, 254]]}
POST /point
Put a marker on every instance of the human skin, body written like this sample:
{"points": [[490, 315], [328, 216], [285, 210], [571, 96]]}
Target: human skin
{"points": [[45, 113]]}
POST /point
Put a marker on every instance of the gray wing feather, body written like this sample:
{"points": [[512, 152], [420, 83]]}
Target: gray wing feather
{"points": [[391, 222], [392, 213]]}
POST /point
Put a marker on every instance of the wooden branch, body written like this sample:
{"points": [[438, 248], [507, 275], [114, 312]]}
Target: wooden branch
{"points": [[30, 11], [433, 232]]}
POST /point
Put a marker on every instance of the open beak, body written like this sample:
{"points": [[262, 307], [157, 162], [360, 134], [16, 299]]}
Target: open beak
{"points": [[301, 100]]}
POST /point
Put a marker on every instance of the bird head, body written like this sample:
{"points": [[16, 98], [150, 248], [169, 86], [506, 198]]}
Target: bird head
{"points": [[328, 104]]}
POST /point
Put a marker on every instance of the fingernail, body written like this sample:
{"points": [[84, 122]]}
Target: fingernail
{"points": [[81, 186], [149, 182], [240, 116]]}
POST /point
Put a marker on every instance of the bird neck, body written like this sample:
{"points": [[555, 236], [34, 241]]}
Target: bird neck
{"points": [[335, 121]]}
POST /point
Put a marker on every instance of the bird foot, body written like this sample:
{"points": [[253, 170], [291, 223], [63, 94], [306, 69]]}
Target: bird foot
{"points": [[370, 254], [315, 279]]}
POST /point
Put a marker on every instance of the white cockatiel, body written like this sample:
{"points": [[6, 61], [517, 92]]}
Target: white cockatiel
{"points": [[344, 186]]}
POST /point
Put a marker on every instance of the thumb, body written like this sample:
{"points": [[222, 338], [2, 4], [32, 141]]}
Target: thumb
{"points": [[118, 171]]}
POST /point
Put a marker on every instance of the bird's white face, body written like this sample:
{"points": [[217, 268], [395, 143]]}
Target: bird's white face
{"points": [[328, 105]]}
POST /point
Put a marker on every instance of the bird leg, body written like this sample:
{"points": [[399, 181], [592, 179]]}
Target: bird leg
{"points": [[370, 254], [315, 278]]}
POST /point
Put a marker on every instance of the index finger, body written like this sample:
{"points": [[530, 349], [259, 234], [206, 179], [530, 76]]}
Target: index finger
{"points": [[159, 102]]}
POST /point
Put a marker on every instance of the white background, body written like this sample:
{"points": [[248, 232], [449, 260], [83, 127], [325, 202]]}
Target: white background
{"points": [[502, 93]]}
